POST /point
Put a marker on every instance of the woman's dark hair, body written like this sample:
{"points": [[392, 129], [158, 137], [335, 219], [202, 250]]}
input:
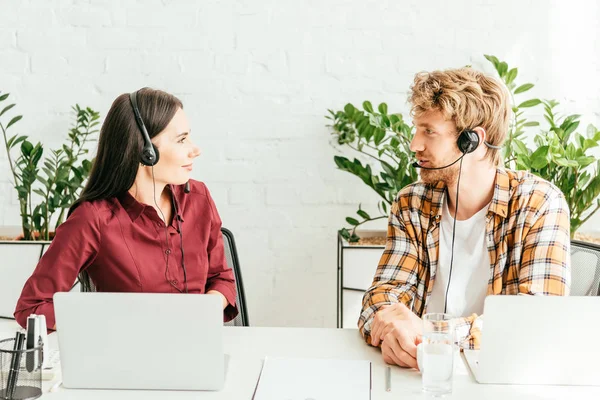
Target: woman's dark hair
{"points": [[120, 143]]}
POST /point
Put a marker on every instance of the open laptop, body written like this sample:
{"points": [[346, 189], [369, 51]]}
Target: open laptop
{"points": [[140, 341], [545, 340]]}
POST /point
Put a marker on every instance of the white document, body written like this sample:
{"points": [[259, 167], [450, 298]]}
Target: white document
{"points": [[314, 379]]}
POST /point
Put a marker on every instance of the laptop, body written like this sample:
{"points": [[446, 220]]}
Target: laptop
{"points": [[140, 341], [538, 340]]}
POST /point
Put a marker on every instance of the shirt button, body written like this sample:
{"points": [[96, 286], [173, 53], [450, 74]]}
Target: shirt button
{"points": [[174, 282], [168, 251]]}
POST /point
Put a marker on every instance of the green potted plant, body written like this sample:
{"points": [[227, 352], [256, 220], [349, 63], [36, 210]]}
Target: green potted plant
{"points": [[560, 154], [46, 187], [382, 141], [555, 152]]}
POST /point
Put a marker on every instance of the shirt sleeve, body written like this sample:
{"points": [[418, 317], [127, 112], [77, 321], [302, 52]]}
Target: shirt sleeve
{"points": [[545, 267], [220, 277], [397, 273], [546, 261], [74, 248]]}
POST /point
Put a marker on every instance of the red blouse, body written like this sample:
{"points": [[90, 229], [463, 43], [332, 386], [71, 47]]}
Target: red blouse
{"points": [[122, 245]]}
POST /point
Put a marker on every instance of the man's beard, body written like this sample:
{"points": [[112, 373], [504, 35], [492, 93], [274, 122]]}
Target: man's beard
{"points": [[447, 175]]}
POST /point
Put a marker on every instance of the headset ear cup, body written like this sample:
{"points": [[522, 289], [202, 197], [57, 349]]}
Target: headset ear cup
{"points": [[148, 158], [156, 153], [468, 141]]}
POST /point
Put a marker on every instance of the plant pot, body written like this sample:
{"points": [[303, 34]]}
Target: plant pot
{"points": [[590, 237], [357, 264]]}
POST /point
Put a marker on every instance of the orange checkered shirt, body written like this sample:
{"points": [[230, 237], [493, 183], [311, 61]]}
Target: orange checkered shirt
{"points": [[528, 240]]}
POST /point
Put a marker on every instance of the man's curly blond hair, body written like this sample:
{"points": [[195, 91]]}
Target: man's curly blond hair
{"points": [[469, 98]]}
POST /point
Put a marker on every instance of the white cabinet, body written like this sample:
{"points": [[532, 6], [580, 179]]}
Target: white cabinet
{"points": [[356, 268], [19, 259]]}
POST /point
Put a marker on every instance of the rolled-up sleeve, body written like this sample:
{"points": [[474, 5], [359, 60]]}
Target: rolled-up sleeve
{"points": [[396, 278]]}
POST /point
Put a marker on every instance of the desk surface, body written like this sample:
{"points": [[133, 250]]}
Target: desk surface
{"points": [[247, 348]]}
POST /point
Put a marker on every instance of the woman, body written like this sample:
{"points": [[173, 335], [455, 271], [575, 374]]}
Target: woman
{"points": [[140, 225]]}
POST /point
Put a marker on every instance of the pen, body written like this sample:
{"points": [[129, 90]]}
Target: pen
{"points": [[388, 379], [15, 364]]}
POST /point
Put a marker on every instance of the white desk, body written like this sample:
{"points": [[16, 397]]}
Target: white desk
{"points": [[248, 346]]}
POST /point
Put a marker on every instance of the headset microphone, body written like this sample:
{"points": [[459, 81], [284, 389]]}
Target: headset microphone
{"points": [[416, 164]]}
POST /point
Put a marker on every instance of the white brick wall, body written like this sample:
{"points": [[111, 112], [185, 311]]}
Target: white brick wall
{"points": [[257, 77]]}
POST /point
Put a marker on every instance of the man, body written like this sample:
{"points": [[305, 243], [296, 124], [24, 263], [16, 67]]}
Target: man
{"points": [[469, 228]]}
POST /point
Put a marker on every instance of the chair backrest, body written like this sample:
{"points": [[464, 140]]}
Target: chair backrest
{"points": [[86, 284], [585, 269], [234, 263]]}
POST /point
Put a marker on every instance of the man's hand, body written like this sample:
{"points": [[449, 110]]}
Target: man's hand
{"points": [[400, 346], [398, 331]]}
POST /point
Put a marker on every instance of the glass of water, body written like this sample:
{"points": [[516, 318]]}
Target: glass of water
{"points": [[437, 354]]}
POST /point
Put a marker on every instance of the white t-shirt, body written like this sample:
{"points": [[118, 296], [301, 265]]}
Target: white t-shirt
{"points": [[470, 269]]}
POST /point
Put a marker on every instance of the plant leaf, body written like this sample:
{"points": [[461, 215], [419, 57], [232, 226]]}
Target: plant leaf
{"points": [[523, 88], [493, 60], [363, 214], [379, 135], [352, 221], [502, 68], [5, 109], [529, 103], [14, 121], [383, 108], [511, 75]]}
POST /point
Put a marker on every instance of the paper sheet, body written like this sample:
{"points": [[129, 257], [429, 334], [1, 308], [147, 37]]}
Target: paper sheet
{"points": [[314, 379]]}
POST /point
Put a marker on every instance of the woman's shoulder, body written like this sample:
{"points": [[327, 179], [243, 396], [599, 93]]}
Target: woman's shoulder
{"points": [[200, 195], [96, 209], [198, 187]]}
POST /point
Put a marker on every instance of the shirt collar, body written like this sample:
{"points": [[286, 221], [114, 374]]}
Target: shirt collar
{"points": [[501, 197], [498, 205], [134, 208]]}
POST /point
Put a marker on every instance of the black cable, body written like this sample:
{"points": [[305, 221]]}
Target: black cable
{"points": [[182, 255], [180, 231], [453, 234], [166, 230]]}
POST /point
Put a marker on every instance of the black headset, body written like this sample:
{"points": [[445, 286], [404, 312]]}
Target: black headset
{"points": [[150, 154], [467, 141], [149, 157]]}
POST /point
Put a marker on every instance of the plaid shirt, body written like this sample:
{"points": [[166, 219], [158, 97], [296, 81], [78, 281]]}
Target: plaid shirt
{"points": [[527, 232]]}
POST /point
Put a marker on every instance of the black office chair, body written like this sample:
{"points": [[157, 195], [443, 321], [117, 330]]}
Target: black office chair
{"points": [[585, 269], [234, 263], [86, 284]]}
